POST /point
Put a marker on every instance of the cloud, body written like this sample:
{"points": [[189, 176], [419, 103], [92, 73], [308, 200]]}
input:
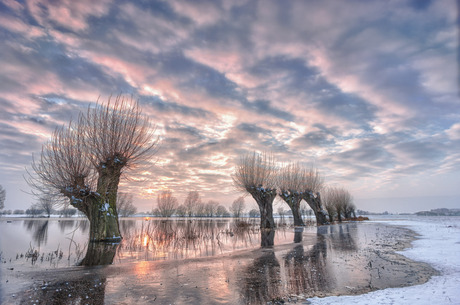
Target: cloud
{"points": [[67, 14], [366, 92]]}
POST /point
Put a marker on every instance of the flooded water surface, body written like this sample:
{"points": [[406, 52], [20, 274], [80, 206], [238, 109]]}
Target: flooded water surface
{"points": [[199, 261]]}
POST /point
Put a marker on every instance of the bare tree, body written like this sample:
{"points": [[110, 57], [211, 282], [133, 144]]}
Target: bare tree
{"points": [[2, 197], [222, 211], [328, 199], [313, 184], [342, 202], [211, 207], [345, 203], [255, 174], [254, 213], [191, 203], [238, 207], [349, 209], [181, 210], [167, 203], [34, 210], [281, 212], [67, 210], [47, 203], [156, 212], [304, 209], [125, 206], [84, 162], [292, 179], [200, 210]]}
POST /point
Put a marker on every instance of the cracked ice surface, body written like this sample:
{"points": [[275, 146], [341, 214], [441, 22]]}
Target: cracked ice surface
{"points": [[439, 246]]}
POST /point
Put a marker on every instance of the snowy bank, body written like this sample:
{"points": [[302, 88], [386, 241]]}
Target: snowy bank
{"points": [[439, 246]]}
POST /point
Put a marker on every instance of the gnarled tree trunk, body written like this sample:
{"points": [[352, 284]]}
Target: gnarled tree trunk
{"points": [[99, 254], [103, 219], [293, 200], [314, 201], [264, 199], [84, 161]]}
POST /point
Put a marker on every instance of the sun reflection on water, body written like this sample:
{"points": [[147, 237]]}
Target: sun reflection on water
{"points": [[141, 268]]}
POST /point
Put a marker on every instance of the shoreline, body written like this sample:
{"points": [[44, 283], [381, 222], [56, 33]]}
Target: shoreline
{"points": [[437, 243]]}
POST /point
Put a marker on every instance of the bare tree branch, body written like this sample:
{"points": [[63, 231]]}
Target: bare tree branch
{"points": [[84, 161], [256, 174], [167, 203]]}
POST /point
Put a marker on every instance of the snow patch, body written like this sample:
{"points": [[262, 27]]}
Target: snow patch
{"points": [[438, 245]]}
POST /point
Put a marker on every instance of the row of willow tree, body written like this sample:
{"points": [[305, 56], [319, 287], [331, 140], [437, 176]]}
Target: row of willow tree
{"points": [[84, 162], [257, 175]]}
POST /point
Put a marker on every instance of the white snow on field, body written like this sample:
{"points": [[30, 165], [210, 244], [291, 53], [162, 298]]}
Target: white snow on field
{"points": [[439, 246]]}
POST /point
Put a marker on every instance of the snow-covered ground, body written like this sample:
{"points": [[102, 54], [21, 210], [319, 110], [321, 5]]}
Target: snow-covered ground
{"points": [[439, 246]]}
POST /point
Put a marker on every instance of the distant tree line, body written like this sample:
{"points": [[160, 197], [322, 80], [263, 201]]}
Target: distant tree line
{"points": [[193, 206], [440, 212]]}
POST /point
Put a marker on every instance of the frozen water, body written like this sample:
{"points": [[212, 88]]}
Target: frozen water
{"points": [[438, 245]]}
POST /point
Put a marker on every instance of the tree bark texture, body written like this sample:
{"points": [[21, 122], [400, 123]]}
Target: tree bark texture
{"points": [[293, 201], [264, 199], [101, 206], [99, 254], [314, 201], [267, 238]]}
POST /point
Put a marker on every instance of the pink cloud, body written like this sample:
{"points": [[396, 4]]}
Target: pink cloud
{"points": [[67, 13], [202, 13], [16, 25], [153, 33]]}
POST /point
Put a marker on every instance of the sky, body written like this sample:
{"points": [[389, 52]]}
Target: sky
{"points": [[366, 91]]}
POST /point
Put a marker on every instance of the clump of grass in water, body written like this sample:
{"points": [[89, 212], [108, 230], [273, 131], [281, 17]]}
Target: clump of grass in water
{"points": [[171, 239], [33, 254]]}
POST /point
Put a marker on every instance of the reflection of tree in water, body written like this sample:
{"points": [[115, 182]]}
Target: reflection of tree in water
{"points": [[66, 224], [342, 236], [126, 225], [262, 280], [99, 253], [267, 237], [182, 238], [83, 225], [39, 230], [298, 234], [306, 271]]}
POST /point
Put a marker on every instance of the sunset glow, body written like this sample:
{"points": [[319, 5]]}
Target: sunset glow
{"points": [[366, 91]]}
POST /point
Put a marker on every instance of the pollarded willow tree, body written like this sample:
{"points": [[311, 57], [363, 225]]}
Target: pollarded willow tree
{"points": [[343, 202], [312, 185], [255, 174], [328, 202], [339, 202], [296, 182], [291, 184], [85, 161]]}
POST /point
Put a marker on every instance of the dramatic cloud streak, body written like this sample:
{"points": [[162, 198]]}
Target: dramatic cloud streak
{"points": [[366, 91]]}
